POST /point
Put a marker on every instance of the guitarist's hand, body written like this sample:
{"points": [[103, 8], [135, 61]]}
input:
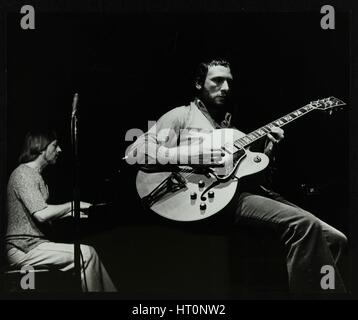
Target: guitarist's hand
{"points": [[276, 134], [202, 155]]}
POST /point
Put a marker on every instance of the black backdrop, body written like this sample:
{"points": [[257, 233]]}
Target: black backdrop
{"points": [[130, 68]]}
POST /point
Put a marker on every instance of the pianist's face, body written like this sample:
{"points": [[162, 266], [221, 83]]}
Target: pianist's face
{"points": [[52, 152]]}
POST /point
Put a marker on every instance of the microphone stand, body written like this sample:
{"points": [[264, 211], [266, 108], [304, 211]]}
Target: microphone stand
{"points": [[76, 192]]}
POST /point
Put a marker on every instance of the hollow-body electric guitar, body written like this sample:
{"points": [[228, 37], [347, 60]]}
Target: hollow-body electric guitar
{"points": [[192, 192]]}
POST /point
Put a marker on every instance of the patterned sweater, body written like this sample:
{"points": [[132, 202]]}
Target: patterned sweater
{"points": [[27, 193]]}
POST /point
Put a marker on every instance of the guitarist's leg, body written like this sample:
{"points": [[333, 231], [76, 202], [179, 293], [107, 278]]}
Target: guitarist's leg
{"points": [[336, 240], [301, 233]]}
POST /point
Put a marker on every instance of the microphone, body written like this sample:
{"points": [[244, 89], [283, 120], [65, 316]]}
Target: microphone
{"points": [[74, 104]]}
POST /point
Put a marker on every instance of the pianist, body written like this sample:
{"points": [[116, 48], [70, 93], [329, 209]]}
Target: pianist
{"points": [[28, 209]]}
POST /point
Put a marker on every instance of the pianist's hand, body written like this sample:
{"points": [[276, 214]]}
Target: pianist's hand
{"points": [[84, 205], [83, 215]]}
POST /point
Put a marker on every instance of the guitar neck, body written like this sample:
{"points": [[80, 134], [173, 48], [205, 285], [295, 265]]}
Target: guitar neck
{"points": [[263, 131]]}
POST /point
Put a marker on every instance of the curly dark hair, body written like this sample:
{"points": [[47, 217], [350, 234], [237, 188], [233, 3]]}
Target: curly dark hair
{"points": [[203, 67]]}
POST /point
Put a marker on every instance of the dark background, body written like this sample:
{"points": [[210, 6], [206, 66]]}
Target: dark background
{"points": [[131, 68]]}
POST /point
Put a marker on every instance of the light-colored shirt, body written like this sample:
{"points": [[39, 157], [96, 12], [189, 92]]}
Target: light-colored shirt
{"points": [[174, 129]]}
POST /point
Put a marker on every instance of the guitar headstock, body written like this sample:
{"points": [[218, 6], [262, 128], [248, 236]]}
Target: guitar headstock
{"points": [[330, 103]]}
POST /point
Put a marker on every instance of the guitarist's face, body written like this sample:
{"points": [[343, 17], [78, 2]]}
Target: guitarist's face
{"points": [[217, 86]]}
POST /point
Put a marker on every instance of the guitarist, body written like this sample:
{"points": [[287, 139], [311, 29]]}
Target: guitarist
{"points": [[309, 242]]}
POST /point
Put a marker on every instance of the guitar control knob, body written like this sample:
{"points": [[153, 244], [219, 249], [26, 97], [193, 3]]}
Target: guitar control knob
{"points": [[257, 159], [202, 206], [193, 196], [201, 184], [211, 194]]}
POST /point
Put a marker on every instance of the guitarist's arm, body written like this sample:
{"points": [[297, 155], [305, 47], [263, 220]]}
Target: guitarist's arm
{"points": [[151, 147], [159, 146]]}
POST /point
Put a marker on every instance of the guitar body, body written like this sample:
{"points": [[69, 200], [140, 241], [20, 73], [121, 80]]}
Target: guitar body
{"points": [[199, 195], [179, 205]]}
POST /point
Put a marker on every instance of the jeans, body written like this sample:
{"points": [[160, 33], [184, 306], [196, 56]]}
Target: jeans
{"points": [[309, 242], [94, 276]]}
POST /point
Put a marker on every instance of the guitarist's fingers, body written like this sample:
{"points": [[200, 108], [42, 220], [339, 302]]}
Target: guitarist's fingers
{"points": [[278, 133], [218, 152], [220, 161], [216, 156], [207, 158], [210, 156], [272, 138], [277, 130]]}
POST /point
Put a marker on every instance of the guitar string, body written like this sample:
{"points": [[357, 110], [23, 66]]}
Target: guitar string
{"points": [[243, 144]]}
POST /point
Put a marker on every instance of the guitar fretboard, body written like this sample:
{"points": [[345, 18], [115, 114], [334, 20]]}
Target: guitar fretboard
{"points": [[261, 132]]}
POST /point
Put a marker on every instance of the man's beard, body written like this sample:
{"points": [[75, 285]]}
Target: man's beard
{"points": [[211, 104]]}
